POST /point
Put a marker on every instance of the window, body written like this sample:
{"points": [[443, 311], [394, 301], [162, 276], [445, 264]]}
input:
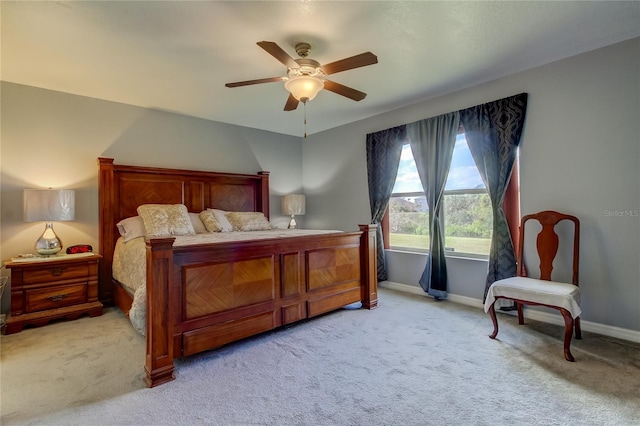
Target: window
{"points": [[467, 209]]}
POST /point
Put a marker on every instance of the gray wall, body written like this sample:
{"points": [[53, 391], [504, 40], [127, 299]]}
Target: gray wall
{"points": [[580, 154]]}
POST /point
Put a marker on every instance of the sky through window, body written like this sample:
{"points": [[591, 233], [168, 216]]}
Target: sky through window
{"points": [[463, 173]]}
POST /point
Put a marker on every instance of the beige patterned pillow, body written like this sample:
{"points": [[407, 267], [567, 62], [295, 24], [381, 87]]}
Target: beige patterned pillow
{"points": [[161, 220], [248, 221], [210, 221]]}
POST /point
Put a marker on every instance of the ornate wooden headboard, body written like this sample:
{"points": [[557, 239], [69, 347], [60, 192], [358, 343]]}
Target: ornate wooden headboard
{"points": [[121, 189]]}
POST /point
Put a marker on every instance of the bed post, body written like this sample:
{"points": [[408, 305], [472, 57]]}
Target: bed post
{"points": [[368, 266], [106, 241], [263, 193], [159, 360]]}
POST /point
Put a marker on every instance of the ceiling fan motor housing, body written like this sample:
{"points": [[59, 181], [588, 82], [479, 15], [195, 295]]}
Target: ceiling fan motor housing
{"points": [[303, 49]]}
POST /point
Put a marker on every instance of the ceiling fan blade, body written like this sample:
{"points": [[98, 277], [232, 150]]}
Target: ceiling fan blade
{"points": [[361, 60], [259, 81], [345, 91], [292, 103], [276, 51]]}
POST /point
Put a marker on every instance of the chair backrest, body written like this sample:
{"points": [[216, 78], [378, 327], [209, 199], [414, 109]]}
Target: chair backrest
{"points": [[547, 243]]}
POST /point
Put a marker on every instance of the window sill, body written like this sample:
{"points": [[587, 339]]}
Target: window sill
{"points": [[452, 255]]}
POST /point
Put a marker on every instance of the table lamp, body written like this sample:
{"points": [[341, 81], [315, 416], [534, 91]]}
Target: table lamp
{"points": [[49, 205], [293, 204]]}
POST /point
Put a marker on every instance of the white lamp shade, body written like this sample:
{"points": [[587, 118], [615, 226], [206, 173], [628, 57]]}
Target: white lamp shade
{"points": [[47, 205], [293, 204]]}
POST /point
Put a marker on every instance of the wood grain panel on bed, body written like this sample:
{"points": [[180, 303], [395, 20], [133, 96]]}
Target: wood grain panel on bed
{"points": [[215, 288], [331, 266], [291, 274], [220, 334]]}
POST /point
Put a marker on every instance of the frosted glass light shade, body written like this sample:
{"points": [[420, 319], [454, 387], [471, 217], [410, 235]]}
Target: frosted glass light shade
{"points": [[304, 87]]}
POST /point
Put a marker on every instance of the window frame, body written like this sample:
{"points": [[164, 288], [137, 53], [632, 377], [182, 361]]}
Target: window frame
{"points": [[450, 253], [511, 206], [453, 253]]}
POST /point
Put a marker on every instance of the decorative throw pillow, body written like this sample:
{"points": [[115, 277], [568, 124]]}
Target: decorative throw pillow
{"points": [[210, 222], [248, 221], [198, 226], [162, 220], [221, 217], [131, 227]]}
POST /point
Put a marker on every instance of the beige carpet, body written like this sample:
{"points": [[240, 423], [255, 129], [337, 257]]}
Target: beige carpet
{"points": [[412, 361]]}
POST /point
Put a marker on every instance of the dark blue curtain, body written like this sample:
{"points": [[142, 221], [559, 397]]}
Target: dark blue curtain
{"points": [[383, 157], [493, 133], [432, 142]]}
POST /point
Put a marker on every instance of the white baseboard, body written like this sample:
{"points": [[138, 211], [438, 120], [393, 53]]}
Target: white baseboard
{"points": [[593, 327]]}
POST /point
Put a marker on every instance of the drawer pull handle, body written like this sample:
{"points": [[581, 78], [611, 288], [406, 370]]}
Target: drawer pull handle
{"points": [[56, 272], [57, 297]]}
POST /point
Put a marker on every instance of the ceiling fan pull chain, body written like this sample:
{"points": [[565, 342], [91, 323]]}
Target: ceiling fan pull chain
{"points": [[305, 118]]}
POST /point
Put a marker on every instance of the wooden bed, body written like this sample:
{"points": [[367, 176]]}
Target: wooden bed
{"points": [[188, 310]]}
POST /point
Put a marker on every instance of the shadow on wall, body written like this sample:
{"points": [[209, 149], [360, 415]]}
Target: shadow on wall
{"points": [[162, 139], [335, 181]]}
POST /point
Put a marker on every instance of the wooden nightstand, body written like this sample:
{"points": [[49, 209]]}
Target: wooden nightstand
{"points": [[43, 290]]}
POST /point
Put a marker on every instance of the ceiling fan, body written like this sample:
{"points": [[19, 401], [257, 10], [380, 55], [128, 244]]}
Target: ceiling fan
{"points": [[306, 77]]}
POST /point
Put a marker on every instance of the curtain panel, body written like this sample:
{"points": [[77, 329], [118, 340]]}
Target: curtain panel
{"points": [[432, 142], [493, 132], [383, 158]]}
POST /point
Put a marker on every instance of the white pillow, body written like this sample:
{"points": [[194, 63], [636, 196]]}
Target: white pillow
{"points": [[131, 227], [222, 220], [198, 226], [161, 220]]}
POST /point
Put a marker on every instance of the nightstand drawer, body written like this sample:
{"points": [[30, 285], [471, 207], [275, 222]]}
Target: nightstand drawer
{"points": [[55, 297], [57, 273], [48, 289]]}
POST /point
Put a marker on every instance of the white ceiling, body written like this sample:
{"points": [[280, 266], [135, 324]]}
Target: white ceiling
{"points": [[176, 56]]}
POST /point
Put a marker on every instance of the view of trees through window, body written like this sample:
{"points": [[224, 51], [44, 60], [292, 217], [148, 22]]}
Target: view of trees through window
{"points": [[467, 208]]}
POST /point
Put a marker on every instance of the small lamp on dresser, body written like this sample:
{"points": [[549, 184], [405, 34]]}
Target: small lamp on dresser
{"points": [[293, 204], [49, 205]]}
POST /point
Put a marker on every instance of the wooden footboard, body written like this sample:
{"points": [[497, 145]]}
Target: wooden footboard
{"points": [[204, 297]]}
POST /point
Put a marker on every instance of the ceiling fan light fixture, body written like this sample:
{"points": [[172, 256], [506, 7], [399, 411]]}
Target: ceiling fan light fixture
{"points": [[304, 87]]}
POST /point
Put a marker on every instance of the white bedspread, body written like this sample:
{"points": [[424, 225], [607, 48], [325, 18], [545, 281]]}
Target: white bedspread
{"points": [[550, 293], [129, 261], [225, 237]]}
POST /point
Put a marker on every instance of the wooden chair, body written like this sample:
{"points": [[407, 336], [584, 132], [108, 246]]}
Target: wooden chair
{"points": [[543, 291]]}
